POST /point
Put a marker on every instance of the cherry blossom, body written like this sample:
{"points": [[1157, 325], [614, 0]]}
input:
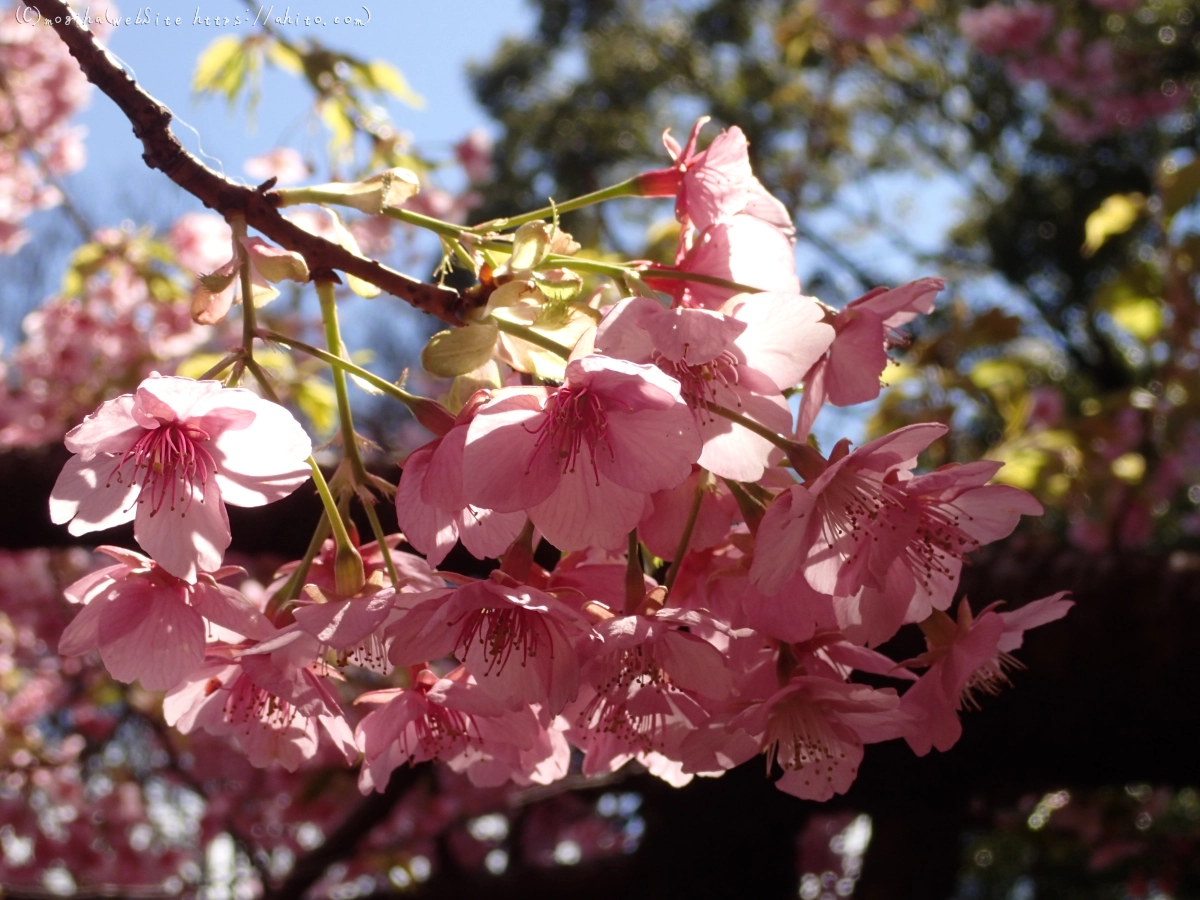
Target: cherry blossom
{"points": [[452, 720], [582, 458], [740, 358], [270, 700], [515, 641], [431, 502], [169, 457], [149, 625], [849, 524], [966, 656], [849, 372]]}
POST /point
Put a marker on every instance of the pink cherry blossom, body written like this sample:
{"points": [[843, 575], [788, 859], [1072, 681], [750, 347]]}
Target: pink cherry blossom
{"points": [[43, 89], [715, 184], [273, 704], [740, 358], [448, 719], [999, 29], [849, 372], [582, 458], [741, 248], [860, 20], [148, 625], [813, 727], [474, 154], [169, 457], [516, 641], [848, 525], [662, 527], [967, 656], [284, 164], [201, 241], [647, 684], [432, 506]]}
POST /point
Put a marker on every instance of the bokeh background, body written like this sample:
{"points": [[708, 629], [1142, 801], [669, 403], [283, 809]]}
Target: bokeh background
{"points": [[1040, 156]]}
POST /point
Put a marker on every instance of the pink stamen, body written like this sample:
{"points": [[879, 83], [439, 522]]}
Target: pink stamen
{"points": [[575, 418], [168, 459]]}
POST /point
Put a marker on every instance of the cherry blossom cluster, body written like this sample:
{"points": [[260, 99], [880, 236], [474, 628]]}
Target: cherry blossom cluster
{"points": [[1099, 87], [683, 578], [109, 334], [41, 88]]}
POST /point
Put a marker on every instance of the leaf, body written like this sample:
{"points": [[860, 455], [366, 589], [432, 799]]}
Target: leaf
{"points": [[318, 401], [195, 366], [459, 350], [220, 68], [1116, 215], [994, 375], [334, 115], [1133, 301], [385, 77], [1178, 189], [285, 58], [1140, 316]]}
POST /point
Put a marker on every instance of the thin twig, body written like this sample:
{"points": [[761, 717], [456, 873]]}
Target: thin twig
{"points": [[162, 150]]}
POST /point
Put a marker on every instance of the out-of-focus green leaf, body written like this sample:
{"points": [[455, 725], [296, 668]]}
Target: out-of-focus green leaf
{"points": [[221, 68], [333, 114], [285, 58], [1114, 216], [1178, 188], [1132, 299], [1140, 316], [318, 401], [195, 366], [382, 76], [993, 375]]}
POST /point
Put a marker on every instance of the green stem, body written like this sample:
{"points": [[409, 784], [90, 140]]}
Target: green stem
{"points": [[333, 338], [380, 538], [635, 584], [616, 270], [688, 528], [291, 588], [238, 224], [221, 366], [626, 188], [784, 444], [437, 226], [261, 377], [555, 261], [338, 362], [530, 336], [340, 534]]}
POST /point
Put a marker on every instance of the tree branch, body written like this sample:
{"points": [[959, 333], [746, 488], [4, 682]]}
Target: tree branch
{"points": [[152, 126], [343, 842]]}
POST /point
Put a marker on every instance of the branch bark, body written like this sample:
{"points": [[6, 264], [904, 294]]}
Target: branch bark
{"points": [[343, 842], [151, 123]]}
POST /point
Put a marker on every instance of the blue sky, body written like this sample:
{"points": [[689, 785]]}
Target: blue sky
{"points": [[430, 43]]}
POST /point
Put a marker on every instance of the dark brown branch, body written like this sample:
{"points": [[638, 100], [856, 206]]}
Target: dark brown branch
{"points": [[152, 126], [343, 842]]}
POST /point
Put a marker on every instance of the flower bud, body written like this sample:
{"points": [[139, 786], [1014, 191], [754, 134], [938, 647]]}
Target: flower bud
{"points": [[348, 570], [274, 263]]}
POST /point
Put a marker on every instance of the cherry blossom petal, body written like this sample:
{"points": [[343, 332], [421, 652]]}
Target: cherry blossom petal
{"points": [[784, 336], [584, 510], [188, 539], [88, 496], [263, 461], [152, 637], [110, 429]]}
